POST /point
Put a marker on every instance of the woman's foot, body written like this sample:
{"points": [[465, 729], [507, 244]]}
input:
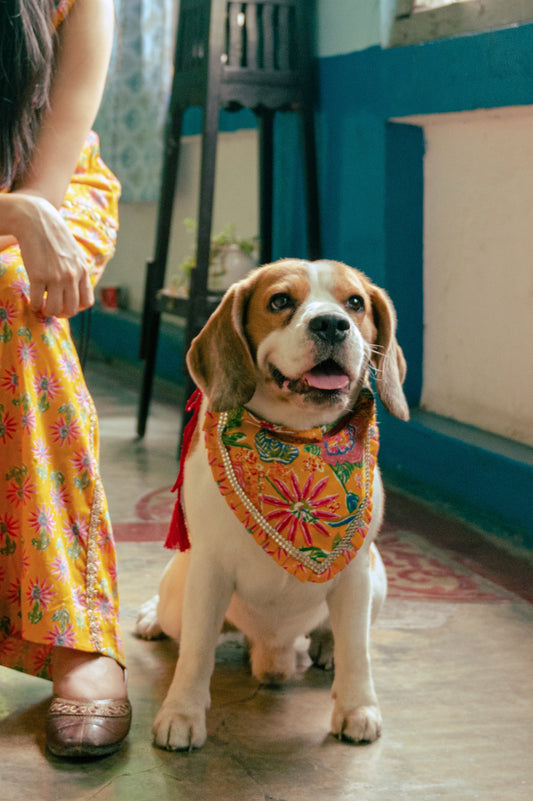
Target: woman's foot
{"points": [[87, 677], [90, 714]]}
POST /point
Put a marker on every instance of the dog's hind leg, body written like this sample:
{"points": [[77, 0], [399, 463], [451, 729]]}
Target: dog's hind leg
{"points": [[321, 647], [147, 626], [378, 578], [171, 592], [161, 615]]}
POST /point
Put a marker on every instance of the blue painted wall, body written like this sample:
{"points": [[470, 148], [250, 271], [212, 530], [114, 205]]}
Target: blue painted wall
{"points": [[371, 184]]}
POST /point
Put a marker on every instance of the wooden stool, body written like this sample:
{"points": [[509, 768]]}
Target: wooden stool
{"points": [[229, 55]]}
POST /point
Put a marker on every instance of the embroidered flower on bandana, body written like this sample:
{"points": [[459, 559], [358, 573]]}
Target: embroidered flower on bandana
{"points": [[299, 508], [343, 447], [246, 458]]}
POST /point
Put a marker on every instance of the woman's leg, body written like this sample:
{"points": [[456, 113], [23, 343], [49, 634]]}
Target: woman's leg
{"points": [[86, 677]]}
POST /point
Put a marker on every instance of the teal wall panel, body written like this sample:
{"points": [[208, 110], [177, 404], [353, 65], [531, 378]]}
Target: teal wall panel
{"points": [[371, 194]]}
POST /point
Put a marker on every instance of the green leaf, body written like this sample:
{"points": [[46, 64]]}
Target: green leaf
{"points": [[6, 333], [9, 548], [36, 615], [62, 617], [18, 474], [235, 440], [343, 471], [43, 404], [83, 481], [313, 448], [352, 501], [5, 624], [57, 478], [41, 543], [25, 333], [315, 553], [69, 410], [270, 449], [234, 418], [74, 550]]}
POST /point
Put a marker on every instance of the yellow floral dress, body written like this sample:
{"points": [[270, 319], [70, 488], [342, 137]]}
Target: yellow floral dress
{"points": [[57, 555]]}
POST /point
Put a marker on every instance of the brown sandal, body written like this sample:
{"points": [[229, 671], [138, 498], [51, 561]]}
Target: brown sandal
{"points": [[85, 729]]}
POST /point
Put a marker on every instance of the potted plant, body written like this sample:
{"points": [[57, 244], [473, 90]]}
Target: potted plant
{"points": [[230, 259]]}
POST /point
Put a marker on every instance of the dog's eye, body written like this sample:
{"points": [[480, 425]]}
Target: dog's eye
{"points": [[356, 303], [279, 302]]}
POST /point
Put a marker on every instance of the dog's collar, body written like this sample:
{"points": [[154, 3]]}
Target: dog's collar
{"points": [[305, 496]]}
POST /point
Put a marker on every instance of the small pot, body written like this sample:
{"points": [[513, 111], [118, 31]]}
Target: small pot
{"points": [[232, 265]]}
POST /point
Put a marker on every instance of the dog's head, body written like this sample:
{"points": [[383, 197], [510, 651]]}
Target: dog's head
{"points": [[293, 342]]}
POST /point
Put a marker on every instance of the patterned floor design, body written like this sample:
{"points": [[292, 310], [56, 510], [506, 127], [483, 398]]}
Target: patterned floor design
{"points": [[416, 570]]}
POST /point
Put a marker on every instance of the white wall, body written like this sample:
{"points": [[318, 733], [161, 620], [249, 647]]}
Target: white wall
{"points": [[236, 200], [478, 269], [344, 26]]}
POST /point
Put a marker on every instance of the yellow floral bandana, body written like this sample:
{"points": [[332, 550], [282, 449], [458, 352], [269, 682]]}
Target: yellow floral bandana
{"points": [[305, 496]]}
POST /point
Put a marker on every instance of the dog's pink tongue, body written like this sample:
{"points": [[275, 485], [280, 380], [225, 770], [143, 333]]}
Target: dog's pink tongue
{"points": [[327, 378]]}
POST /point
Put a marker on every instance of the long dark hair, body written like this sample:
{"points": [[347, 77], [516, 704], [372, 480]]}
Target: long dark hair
{"points": [[26, 64]]}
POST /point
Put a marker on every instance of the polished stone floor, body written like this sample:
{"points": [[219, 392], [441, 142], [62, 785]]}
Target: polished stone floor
{"points": [[452, 657]]}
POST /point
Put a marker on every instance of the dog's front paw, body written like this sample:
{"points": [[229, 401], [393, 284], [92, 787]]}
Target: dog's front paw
{"points": [[147, 626], [359, 725], [176, 729]]}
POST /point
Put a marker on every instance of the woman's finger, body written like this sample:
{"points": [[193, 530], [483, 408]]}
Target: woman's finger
{"points": [[37, 290], [86, 293], [54, 301]]}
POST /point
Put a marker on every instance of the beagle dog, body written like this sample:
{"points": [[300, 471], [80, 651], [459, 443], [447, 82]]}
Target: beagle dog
{"points": [[288, 351]]}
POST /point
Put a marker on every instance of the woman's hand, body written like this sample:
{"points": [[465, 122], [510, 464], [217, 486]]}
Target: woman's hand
{"points": [[55, 264], [56, 267]]}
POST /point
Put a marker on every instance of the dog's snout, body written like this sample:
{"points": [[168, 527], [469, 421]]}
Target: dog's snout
{"points": [[331, 328]]}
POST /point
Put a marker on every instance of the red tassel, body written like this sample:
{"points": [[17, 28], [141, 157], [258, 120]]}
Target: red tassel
{"points": [[178, 536]]}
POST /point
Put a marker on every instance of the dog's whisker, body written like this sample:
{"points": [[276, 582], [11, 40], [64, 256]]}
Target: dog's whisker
{"points": [[375, 371]]}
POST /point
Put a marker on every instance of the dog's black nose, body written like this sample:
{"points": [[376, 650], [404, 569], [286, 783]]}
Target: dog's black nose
{"points": [[331, 328]]}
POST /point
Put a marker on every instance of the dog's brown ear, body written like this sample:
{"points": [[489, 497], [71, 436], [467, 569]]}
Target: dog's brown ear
{"points": [[219, 359], [388, 357]]}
